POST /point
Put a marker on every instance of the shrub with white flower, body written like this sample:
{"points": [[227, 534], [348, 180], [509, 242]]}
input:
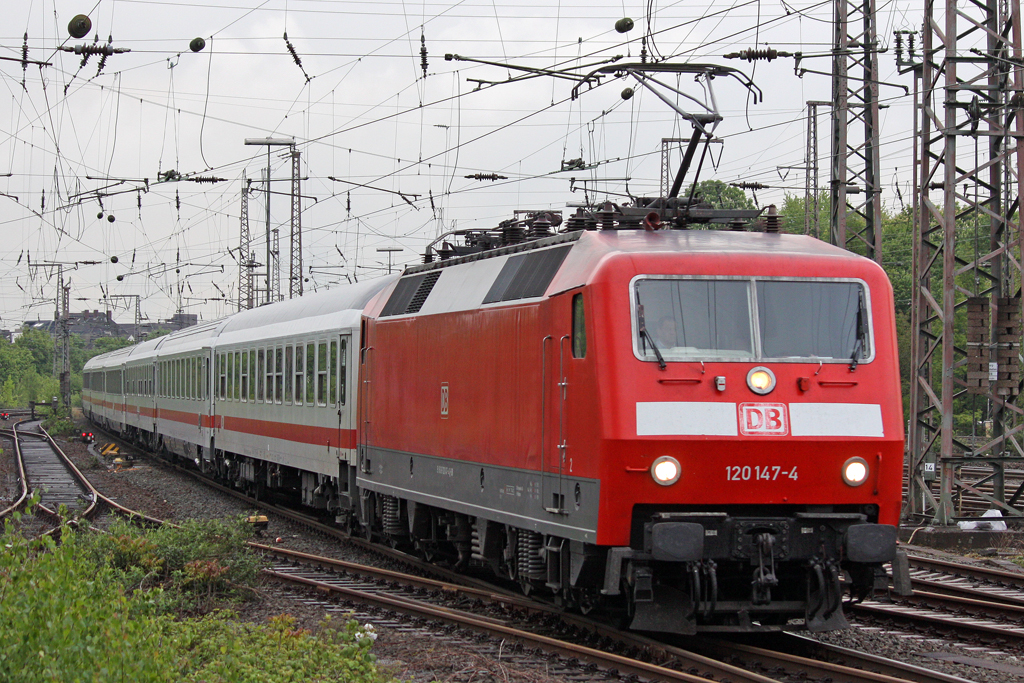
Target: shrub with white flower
{"points": [[368, 631]]}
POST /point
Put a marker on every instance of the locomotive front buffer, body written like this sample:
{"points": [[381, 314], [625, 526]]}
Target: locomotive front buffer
{"points": [[694, 566]]}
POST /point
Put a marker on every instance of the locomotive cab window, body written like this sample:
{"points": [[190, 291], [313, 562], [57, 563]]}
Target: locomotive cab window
{"points": [[579, 328], [680, 318]]}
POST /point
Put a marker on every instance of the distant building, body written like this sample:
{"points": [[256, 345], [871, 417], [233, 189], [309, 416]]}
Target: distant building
{"points": [[91, 325], [178, 321]]}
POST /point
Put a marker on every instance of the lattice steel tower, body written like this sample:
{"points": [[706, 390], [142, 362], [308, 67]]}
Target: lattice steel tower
{"points": [[856, 198], [967, 260]]}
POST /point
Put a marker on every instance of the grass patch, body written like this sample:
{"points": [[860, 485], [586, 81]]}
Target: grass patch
{"points": [[122, 607]]}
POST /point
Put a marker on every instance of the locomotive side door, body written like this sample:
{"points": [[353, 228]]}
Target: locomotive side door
{"points": [[558, 351], [553, 446]]}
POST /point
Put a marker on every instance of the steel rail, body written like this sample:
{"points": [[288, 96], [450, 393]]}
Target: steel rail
{"points": [[994, 594], [22, 479], [959, 569], [917, 616], [496, 629]]}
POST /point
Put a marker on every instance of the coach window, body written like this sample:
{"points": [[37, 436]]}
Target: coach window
{"points": [[238, 374], [321, 374], [579, 328], [252, 375], [232, 368], [300, 375], [342, 369], [222, 374], [278, 374], [245, 375], [288, 350], [334, 372], [259, 375], [310, 374]]}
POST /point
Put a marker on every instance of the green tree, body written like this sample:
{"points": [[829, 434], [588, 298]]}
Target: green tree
{"points": [[721, 195], [107, 344], [40, 345], [15, 361], [7, 393]]}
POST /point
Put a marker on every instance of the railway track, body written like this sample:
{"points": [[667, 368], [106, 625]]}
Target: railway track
{"points": [[580, 639], [44, 468], [462, 599]]}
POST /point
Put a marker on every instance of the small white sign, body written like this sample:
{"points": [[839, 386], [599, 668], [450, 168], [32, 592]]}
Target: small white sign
{"points": [[758, 419], [993, 372], [444, 400]]}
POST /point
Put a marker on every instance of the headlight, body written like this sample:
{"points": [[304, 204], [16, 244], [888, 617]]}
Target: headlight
{"points": [[761, 380], [855, 471], [666, 470]]}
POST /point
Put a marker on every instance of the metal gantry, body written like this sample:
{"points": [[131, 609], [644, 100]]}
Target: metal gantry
{"points": [[273, 273], [967, 262], [812, 195], [245, 254], [855, 193], [138, 311], [295, 263]]}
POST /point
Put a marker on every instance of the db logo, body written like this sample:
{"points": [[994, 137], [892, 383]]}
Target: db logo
{"points": [[763, 419]]}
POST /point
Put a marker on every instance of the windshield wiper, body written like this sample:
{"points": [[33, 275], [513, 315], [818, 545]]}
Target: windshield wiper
{"points": [[644, 334], [858, 346]]}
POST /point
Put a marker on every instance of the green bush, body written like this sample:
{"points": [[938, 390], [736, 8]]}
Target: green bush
{"points": [[67, 614], [65, 619], [221, 649], [57, 423], [198, 564]]}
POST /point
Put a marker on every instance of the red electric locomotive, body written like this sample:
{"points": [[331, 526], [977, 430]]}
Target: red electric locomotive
{"points": [[700, 428]]}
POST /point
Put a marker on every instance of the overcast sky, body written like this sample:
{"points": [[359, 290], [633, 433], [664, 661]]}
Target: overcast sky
{"points": [[361, 111]]}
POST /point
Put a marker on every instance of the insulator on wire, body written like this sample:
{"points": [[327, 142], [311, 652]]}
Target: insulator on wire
{"points": [[295, 56], [423, 53], [206, 179], [103, 58], [24, 61], [95, 49], [754, 55], [79, 26], [750, 186], [486, 176]]}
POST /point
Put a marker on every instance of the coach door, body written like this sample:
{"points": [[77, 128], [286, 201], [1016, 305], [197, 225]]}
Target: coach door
{"points": [[340, 391]]}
